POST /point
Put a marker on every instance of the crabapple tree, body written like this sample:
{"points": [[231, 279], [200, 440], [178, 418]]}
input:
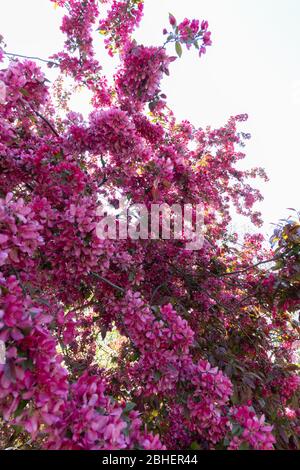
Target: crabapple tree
{"points": [[204, 341]]}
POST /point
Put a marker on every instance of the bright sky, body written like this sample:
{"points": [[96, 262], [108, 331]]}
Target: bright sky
{"points": [[253, 67]]}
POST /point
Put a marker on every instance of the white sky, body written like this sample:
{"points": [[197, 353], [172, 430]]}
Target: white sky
{"points": [[253, 67]]}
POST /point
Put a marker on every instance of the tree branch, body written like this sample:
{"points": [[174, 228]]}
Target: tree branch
{"points": [[46, 122], [49, 61], [120, 289]]}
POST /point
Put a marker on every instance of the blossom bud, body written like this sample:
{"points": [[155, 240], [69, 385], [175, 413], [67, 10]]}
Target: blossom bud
{"points": [[172, 20]]}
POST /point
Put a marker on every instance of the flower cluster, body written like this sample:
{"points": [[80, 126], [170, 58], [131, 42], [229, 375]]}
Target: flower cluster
{"points": [[92, 421], [20, 232], [189, 32], [77, 25], [163, 340], [251, 430], [206, 405], [23, 83], [33, 381], [142, 72], [35, 391], [111, 131], [122, 18], [287, 386], [201, 415]]}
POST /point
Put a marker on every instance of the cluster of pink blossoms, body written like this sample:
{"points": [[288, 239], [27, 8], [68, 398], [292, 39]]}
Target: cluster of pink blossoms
{"points": [[190, 33], [23, 82], [20, 232], [35, 390], [164, 340], [288, 386], [213, 389], [143, 70], [91, 420], [201, 414], [122, 18], [32, 381], [252, 431], [77, 25], [111, 130]]}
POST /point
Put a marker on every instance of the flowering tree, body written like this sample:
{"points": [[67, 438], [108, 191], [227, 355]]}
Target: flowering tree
{"points": [[206, 339]]}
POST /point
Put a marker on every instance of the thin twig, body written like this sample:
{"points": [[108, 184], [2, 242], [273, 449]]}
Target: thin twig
{"points": [[248, 268], [156, 291], [109, 283], [31, 58], [46, 122]]}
